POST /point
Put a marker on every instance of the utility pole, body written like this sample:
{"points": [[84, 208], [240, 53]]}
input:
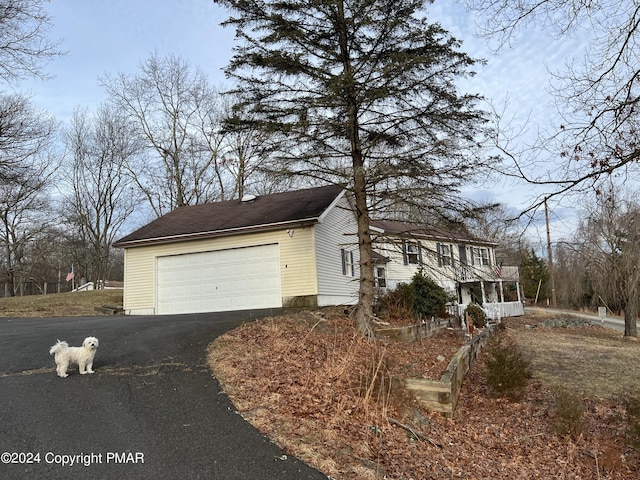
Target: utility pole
{"points": [[554, 304]]}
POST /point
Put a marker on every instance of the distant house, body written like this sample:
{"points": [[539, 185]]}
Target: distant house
{"points": [[290, 249], [465, 266], [286, 249]]}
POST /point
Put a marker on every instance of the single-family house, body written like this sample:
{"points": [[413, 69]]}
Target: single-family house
{"points": [[293, 249], [465, 266], [286, 249]]}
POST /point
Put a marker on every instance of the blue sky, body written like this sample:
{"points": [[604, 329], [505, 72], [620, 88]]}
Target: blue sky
{"points": [[112, 36]]}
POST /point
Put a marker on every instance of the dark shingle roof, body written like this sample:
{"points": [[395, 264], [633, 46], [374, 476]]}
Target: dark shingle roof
{"points": [[392, 227], [235, 216]]}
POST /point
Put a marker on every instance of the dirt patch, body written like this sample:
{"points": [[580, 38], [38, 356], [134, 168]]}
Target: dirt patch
{"points": [[332, 398]]}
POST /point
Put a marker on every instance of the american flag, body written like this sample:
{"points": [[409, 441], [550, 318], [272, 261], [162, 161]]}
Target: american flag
{"points": [[498, 270], [71, 274]]}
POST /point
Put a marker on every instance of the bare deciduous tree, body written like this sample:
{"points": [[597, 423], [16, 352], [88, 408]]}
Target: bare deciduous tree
{"points": [[247, 155], [24, 45], [610, 250], [25, 212], [597, 95], [99, 193], [26, 136], [168, 101], [25, 133]]}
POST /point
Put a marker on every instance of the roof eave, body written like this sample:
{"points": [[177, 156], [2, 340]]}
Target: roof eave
{"points": [[215, 233], [426, 236]]}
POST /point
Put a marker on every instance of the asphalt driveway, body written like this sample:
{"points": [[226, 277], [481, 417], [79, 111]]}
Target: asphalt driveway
{"points": [[151, 410]]}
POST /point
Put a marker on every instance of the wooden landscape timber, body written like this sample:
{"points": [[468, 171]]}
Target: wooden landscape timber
{"points": [[442, 395]]}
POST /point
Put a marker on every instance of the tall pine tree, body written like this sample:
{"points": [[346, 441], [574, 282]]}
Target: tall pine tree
{"points": [[534, 276], [361, 93]]}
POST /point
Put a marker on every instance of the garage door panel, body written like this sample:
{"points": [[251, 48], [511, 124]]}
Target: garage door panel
{"points": [[235, 279]]}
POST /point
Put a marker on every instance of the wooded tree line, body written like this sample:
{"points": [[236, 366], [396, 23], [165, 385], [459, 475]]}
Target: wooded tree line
{"points": [[68, 190], [599, 266], [158, 143]]}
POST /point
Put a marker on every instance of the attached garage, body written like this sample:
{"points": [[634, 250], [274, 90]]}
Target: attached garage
{"points": [[271, 251], [218, 281]]}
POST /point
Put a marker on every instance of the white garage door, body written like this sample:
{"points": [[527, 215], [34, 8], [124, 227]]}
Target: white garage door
{"points": [[219, 281]]}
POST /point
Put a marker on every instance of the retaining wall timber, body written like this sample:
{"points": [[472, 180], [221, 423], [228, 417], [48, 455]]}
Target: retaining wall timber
{"points": [[442, 395], [411, 333]]}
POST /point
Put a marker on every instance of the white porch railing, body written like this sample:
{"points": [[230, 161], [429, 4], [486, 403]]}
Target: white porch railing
{"points": [[494, 311], [488, 274]]}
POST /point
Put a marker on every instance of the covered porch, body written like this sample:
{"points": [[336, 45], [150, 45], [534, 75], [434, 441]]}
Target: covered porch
{"points": [[496, 289]]}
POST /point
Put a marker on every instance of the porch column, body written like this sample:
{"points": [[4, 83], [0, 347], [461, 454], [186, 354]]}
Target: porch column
{"points": [[484, 294], [501, 292], [518, 290], [493, 293]]}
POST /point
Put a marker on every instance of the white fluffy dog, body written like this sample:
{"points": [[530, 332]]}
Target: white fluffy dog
{"points": [[65, 355]]}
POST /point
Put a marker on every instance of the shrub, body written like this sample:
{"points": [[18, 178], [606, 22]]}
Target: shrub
{"points": [[569, 412], [507, 371], [429, 298], [397, 303], [422, 298], [477, 314]]}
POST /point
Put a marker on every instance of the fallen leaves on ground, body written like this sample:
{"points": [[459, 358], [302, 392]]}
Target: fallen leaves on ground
{"points": [[335, 399]]}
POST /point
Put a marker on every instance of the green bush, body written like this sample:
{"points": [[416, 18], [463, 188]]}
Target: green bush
{"points": [[507, 371], [422, 298], [477, 314], [429, 298], [569, 412]]}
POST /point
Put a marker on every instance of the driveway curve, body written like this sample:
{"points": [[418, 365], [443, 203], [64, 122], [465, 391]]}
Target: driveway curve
{"points": [[152, 409]]}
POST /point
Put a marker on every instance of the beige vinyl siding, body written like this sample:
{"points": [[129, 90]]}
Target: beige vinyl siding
{"points": [[337, 230], [297, 264], [139, 281]]}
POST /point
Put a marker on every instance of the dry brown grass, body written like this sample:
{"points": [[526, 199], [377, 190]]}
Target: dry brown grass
{"points": [[315, 388], [592, 361], [60, 304]]}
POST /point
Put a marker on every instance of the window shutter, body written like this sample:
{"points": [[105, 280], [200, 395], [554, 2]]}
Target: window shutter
{"points": [[405, 259], [353, 267], [462, 250], [344, 263], [439, 250], [419, 254]]}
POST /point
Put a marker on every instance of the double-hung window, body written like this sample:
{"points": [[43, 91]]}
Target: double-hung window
{"points": [[348, 265], [480, 256], [446, 254], [411, 253], [381, 277]]}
